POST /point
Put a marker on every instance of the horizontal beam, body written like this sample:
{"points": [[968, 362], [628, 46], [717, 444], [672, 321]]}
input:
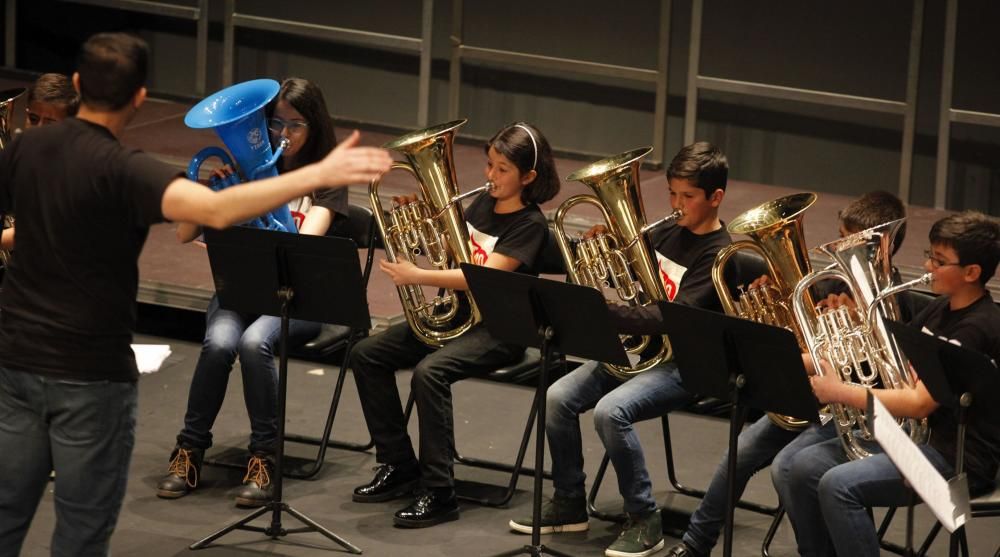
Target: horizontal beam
{"points": [[146, 7], [326, 32], [973, 117], [801, 95], [554, 63]]}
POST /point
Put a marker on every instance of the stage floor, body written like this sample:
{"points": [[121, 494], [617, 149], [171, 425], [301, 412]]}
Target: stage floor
{"points": [[489, 420]]}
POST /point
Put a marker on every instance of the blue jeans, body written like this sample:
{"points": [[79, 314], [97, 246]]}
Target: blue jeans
{"points": [[756, 447], [85, 431], [255, 340], [617, 406], [830, 496], [780, 465]]}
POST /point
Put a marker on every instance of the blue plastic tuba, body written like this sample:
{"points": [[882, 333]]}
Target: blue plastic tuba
{"points": [[237, 115]]}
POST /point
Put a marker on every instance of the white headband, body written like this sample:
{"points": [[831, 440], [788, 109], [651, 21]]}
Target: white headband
{"points": [[533, 143]]}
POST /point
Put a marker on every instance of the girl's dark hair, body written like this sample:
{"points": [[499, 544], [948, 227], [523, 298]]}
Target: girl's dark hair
{"points": [[305, 97], [975, 237], [112, 67], [56, 89], [514, 143]]}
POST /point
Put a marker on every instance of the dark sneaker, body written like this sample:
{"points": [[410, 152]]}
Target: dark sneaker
{"points": [[558, 515], [257, 489], [434, 507], [182, 474], [683, 550], [390, 482], [641, 536]]}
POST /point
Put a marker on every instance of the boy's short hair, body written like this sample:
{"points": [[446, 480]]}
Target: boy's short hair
{"points": [[55, 89], [975, 237], [872, 209], [703, 164], [112, 67]]}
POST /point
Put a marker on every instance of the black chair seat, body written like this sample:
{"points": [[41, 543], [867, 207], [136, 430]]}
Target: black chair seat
{"points": [[330, 340]]}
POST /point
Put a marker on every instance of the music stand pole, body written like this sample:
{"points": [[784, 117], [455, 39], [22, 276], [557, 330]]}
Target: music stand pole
{"points": [[305, 269], [277, 505], [737, 417]]}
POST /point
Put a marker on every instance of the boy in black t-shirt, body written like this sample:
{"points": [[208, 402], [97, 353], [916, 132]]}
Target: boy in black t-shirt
{"points": [[85, 202], [828, 496], [507, 231], [760, 442], [684, 255]]}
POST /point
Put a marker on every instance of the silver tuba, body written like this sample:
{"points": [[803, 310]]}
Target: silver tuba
{"points": [[7, 100], [612, 260], [433, 227], [854, 340]]}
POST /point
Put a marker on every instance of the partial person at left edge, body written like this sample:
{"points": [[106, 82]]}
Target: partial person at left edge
{"points": [[68, 382]]}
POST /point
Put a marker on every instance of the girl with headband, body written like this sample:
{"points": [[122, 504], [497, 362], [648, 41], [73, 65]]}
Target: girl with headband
{"points": [[507, 231]]}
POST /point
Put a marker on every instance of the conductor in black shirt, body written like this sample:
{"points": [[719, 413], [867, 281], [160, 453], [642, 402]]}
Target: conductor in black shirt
{"points": [[85, 204]]}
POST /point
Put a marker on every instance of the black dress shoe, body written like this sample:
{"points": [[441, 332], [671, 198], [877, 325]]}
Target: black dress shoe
{"points": [[433, 507], [683, 550], [390, 482]]}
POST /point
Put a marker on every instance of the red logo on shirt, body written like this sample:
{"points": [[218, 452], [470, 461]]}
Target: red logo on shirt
{"points": [[299, 218], [668, 285], [479, 255]]}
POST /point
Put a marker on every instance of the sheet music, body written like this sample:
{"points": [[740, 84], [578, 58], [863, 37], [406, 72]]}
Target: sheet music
{"points": [[149, 357], [949, 501]]}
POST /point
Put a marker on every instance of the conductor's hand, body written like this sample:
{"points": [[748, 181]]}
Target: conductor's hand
{"points": [[351, 164], [596, 230], [401, 273]]}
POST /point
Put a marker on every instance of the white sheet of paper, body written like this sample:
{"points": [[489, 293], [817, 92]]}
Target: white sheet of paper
{"points": [[149, 357], [951, 509]]}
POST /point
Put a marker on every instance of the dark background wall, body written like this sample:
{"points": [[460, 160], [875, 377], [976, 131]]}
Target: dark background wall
{"points": [[851, 46]]}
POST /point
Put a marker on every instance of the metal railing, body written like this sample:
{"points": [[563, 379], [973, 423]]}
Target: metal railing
{"points": [[462, 52], [948, 113], [421, 46], [199, 15], [906, 108]]}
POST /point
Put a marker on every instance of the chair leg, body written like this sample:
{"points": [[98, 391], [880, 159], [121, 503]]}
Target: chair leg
{"points": [[765, 547], [898, 549], [324, 441], [595, 488], [698, 493]]}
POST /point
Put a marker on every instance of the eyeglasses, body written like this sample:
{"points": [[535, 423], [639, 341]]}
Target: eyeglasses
{"points": [[295, 126], [36, 119], [937, 262]]}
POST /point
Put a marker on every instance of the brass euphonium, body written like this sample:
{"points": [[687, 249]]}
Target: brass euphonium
{"points": [[854, 340], [624, 255], [434, 227], [776, 233], [9, 98]]}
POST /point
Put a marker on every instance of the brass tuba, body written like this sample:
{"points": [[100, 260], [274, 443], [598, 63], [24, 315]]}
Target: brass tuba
{"points": [[433, 226], [776, 233], [854, 340], [613, 259], [9, 98]]}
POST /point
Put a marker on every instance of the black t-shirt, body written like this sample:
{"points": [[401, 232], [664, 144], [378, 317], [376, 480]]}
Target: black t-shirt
{"points": [[84, 204], [334, 199], [976, 327], [684, 260], [521, 234]]}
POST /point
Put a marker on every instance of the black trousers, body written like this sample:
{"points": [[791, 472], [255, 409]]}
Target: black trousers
{"points": [[375, 361]]}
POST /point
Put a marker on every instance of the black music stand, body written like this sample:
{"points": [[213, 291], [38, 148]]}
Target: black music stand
{"points": [[314, 278], [747, 363], [946, 370], [545, 314]]}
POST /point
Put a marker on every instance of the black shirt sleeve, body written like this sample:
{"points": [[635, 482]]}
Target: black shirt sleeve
{"points": [[332, 199], [7, 158], [636, 320], [143, 180], [523, 241]]}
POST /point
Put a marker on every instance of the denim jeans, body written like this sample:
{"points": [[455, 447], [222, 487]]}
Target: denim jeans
{"points": [[375, 361], [830, 496], [255, 340], [756, 447], [617, 406], [85, 431], [780, 465]]}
